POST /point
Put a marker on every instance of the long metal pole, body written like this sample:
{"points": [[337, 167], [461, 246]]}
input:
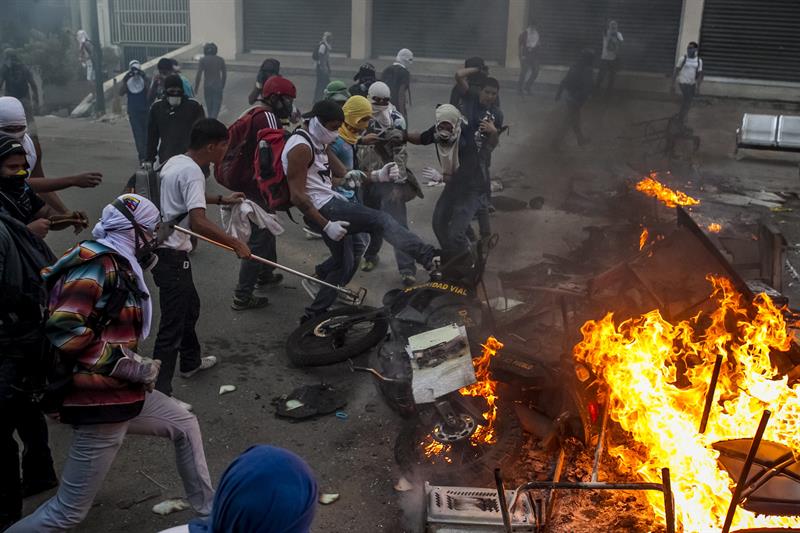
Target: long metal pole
{"points": [[355, 296], [598, 452], [712, 387], [748, 463]]}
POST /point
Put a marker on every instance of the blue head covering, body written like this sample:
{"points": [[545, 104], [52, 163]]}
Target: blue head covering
{"points": [[265, 490]]}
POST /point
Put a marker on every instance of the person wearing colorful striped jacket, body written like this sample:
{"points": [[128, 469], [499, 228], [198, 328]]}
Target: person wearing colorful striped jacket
{"points": [[99, 310]]}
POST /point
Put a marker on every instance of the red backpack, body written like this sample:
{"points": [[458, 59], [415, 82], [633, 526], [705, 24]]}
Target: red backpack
{"points": [[236, 172], [270, 177]]}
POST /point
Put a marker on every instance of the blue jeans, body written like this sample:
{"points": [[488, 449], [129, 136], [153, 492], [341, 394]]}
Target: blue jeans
{"points": [[213, 100], [261, 243], [388, 197], [454, 211], [138, 120], [339, 269]]}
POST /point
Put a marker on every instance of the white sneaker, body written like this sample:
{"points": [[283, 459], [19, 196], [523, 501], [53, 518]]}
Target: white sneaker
{"points": [[185, 405], [311, 288], [205, 363]]}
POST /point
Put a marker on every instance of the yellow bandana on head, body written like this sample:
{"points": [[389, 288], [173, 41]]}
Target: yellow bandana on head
{"points": [[357, 113]]}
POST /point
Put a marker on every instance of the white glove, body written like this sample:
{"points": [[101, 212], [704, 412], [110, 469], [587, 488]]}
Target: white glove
{"points": [[431, 175], [336, 230], [353, 179], [389, 172]]}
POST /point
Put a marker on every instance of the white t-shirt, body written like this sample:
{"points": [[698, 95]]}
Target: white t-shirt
{"points": [[183, 188], [690, 69], [318, 177]]}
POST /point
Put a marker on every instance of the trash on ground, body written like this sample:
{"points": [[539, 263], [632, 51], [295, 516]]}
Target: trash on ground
{"points": [[327, 499], [224, 389], [170, 506]]}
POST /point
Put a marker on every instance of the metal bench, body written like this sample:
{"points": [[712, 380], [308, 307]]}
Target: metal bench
{"points": [[780, 133]]}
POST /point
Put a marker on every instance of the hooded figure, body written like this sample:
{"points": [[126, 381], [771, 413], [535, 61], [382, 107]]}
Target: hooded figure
{"points": [[170, 122], [448, 133], [115, 231], [357, 114], [364, 78], [264, 490], [398, 78], [14, 124], [380, 98], [404, 58]]}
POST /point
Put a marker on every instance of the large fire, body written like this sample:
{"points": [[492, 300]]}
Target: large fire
{"points": [[484, 386], [657, 374], [650, 186]]}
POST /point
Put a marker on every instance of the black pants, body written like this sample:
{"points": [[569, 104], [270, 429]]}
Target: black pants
{"points": [[608, 68], [19, 412], [180, 309], [572, 121], [262, 243], [528, 71], [688, 92]]}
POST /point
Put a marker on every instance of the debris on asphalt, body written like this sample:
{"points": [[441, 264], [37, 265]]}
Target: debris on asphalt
{"points": [[224, 389], [327, 499], [403, 485], [170, 506]]}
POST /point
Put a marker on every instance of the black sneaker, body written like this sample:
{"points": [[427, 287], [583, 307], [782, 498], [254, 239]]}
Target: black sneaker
{"points": [[251, 302]]}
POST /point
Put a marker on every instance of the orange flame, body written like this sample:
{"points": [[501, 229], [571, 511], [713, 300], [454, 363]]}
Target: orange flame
{"points": [[643, 238], [714, 227], [650, 186], [484, 386], [657, 374]]}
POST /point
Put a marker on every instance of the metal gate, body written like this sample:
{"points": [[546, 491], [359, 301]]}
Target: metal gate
{"points": [[145, 29], [454, 29], [650, 29], [150, 22], [297, 25], [751, 39]]}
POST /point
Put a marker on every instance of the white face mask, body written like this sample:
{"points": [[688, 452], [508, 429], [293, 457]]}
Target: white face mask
{"points": [[322, 134], [379, 108], [18, 135], [174, 101]]}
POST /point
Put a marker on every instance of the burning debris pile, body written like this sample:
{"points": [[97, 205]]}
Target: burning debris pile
{"points": [[657, 374]]}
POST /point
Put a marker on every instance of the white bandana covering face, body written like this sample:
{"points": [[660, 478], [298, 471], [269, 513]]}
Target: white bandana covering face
{"points": [[115, 231], [382, 113], [448, 153], [320, 133]]}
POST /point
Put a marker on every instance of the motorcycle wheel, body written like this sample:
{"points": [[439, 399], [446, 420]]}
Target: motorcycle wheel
{"points": [[468, 464], [312, 345]]}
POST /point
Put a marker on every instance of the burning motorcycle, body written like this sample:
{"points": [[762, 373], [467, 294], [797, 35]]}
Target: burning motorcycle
{"points": [[456, 420]]}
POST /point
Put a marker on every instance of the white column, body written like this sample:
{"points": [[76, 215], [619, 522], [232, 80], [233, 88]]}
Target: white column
{"points": [[517, 21], [218, 21], [691, 22], [361, 29], [104, 22]]}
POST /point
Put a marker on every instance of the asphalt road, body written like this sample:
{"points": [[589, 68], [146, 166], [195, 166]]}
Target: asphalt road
{"points": [[352, 456]]}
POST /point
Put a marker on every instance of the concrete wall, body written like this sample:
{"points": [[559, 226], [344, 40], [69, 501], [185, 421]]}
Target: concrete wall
{"points": [[361, 29], [517, 21], [691, 21], [219, 21]]}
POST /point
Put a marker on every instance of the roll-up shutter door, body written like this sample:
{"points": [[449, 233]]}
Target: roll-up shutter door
{"points": [[751, 39], [455, 29], [297, 25], [650, 29]]}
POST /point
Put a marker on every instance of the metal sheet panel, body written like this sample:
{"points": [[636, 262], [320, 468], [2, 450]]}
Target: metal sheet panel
{"points": [[297, 25], [650, 29], [452, 29], [751, 39]]}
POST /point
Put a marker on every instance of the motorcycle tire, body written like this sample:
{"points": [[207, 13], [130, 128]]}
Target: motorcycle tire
{"points": [[463, 470], [307, 347]]}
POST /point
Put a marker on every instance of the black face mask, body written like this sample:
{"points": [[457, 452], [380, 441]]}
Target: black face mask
{"points": [[15, 182], [281, 106], [692, 52], [143, 247]]}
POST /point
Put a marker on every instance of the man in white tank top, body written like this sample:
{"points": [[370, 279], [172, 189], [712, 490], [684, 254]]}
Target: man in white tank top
{"points": [[312, 171]]}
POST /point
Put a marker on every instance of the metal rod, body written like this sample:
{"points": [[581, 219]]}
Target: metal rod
{"points": [[551, 494], [374, 372], [501, 496], [748, 462], [352, 294], [669, 505], [758, 481], [579, 485], [712, 387], [598, 452]]}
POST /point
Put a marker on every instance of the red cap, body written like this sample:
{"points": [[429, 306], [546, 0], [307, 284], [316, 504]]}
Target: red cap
{"points": [[280, 86]]}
